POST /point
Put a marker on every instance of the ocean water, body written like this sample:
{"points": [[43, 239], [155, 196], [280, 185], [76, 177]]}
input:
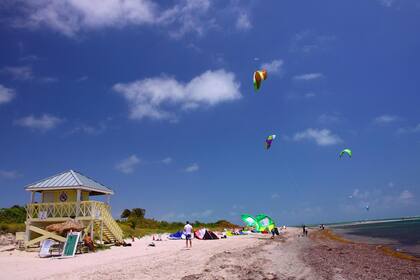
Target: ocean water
{"points": [[402, 235]]}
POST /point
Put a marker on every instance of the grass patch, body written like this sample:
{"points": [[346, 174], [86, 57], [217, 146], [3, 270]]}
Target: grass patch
{"points": [[158, 227], [12, 227]]}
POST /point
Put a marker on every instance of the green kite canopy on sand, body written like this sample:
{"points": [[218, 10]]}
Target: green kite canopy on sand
{"points": [[261, 222]]}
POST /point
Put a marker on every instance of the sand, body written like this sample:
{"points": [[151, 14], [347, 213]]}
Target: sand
{"points": [[240, 257]]}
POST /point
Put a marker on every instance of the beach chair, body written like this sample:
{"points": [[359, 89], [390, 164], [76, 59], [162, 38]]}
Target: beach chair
{"points": [[81, 248], [57, 248], [20, 240]]}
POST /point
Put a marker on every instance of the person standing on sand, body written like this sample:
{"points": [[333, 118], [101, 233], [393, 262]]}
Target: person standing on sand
{"points": [[188, 229]]}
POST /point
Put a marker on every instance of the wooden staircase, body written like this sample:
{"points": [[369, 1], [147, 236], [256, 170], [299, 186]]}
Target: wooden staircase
{"points": [[111, 232], [110, 229]]}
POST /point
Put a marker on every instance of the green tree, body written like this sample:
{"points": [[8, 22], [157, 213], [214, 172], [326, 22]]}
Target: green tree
{"points": [[14, 214], [125, 214], [138, 213]]}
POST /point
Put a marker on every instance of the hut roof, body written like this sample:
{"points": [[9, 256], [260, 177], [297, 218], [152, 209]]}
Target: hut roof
{"points": [[69, 180]]}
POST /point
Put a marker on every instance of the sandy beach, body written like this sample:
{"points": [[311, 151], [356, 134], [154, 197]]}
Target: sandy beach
{"points": [[240, 257]]}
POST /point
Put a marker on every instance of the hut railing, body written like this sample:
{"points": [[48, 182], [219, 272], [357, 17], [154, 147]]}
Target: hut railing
{"points": [[44, 211]]}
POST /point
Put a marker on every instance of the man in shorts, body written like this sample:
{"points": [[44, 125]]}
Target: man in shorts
{"points": [[188, 231]]}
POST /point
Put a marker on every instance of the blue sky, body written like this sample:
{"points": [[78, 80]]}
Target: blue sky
{"points": [[155, 100]]}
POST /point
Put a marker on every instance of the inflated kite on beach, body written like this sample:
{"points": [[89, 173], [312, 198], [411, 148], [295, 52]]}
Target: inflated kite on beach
{"points": [[261, 222], [265, 222], [250, 221]]}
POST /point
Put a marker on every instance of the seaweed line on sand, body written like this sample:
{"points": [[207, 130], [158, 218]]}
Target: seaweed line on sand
{"points": [[329, 234]]}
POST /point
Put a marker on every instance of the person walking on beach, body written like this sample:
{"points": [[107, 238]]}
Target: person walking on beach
{"points": [[188, 230], [304, 230]]}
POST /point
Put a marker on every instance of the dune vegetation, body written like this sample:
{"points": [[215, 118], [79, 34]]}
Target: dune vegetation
{"points": [[133, 222]]}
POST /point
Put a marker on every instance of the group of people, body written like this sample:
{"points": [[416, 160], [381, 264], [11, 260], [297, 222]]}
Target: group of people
{"points": [[304, 230]]}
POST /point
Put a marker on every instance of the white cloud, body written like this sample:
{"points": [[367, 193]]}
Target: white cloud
{"points": [[127, 165], [308, 77], [243, 22], [387, 3], [188, 16], [29, 58], [385, 119], [379, 199], [25, 73], [323, 137], [273, 67], [42, 123], [22, 73], [6, 94], [406, 196], [203, 214], [192, 168], [154, 97], [275, 196], [9, 174], [309, 41], [167, 160], [70, 16], [172, 216], [90, 129], [82, 79], [310, 94], [329, 119], [414, 129], [48, 80], [357, 194]]}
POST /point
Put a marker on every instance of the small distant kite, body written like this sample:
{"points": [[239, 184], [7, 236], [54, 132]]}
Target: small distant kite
{"points": [[259, 76], [367, 207], [346, 151], [269, 141]]}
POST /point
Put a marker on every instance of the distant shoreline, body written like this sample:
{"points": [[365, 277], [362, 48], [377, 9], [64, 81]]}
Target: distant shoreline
{"points": [[398, 234], [332, 225]]}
